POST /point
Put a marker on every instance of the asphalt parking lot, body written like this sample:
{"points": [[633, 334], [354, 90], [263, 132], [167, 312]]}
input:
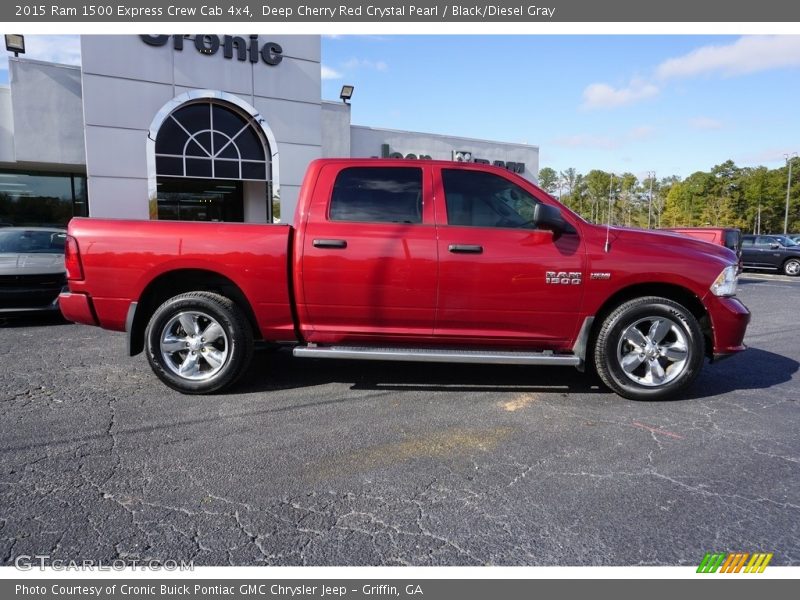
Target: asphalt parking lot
{"points": [[346, 463]]}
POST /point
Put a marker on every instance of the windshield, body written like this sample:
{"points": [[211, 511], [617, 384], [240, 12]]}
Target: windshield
{"points": [[785, 241], [32, 242]]}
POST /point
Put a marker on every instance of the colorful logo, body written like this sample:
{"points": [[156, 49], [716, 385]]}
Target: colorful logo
{"points": [[734, 562]]}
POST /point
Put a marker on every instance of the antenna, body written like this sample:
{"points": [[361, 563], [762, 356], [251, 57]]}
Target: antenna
{"points": [[608, 219]]}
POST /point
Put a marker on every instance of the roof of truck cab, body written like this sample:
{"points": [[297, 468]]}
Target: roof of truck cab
{"points": [[409, 162]]}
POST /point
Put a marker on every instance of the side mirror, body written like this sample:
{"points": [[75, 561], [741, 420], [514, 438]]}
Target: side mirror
{"points": [[774, 246], [549, 217]]}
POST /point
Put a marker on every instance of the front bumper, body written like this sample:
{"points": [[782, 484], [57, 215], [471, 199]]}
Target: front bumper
{"points": [[729, 320]]}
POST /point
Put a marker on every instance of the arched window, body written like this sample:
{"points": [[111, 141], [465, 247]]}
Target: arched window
{"points": [[212, 159], [211, 141]]}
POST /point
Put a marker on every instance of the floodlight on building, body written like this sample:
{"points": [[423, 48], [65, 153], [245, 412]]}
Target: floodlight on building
{"points": [[15, 43], [346, 93]]}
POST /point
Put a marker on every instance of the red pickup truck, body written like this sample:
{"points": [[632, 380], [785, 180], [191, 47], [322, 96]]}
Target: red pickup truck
{"points": [[410, 260]]}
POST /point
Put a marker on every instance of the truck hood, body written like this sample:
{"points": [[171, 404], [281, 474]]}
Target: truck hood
{"points": [[31, 264], [674, 241]]}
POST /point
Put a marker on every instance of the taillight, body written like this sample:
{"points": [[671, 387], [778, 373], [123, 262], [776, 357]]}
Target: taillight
{"points": [[72, 259]]}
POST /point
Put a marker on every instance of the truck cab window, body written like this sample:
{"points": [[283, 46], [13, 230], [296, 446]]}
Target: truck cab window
{"points": [[480, 199], [733, 240], [377, 195]]}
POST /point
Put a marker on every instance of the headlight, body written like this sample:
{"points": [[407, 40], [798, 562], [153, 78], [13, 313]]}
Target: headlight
{"points": [[725, 283]]}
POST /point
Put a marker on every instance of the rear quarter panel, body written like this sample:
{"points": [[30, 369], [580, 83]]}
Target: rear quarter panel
{"points": [[121, 258]]}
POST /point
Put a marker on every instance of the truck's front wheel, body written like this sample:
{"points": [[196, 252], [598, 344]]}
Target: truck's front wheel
{"points": [[198, 342], [649, 349], [791, 267]]}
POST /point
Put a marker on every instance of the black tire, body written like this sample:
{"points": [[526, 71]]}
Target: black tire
{"points": [[625, 366], [210, 365], [792, 267]]}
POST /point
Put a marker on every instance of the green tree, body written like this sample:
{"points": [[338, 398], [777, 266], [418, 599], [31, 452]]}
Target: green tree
{"points": [[578, 197], [794, 196], [652, 205], [597, 191], [698, 188], [548, 180], [627, 204], [567, 178], [725, 196], [675, 201], [754, 202]]}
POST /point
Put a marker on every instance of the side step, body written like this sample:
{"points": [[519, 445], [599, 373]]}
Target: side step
{"points": [[437, 355]]}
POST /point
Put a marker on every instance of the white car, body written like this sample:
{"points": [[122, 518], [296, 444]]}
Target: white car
{"points": [[32, 270]]}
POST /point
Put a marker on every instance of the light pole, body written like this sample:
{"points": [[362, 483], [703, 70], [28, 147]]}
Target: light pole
{"points": [[608, 221], [789, 158], [757, 229], [610, 196], [651, 175]]}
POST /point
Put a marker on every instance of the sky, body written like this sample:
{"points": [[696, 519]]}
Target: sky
{"points": [[672, 104]]}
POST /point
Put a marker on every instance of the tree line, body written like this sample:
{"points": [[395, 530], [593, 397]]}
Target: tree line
{"points": [[750, 198]]}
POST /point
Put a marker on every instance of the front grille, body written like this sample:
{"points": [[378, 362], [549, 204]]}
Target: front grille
{"points": [[24, 291], [33, 281]]}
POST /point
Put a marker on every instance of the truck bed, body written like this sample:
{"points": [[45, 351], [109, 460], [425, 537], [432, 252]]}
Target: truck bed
{"points": [[123, 259]]}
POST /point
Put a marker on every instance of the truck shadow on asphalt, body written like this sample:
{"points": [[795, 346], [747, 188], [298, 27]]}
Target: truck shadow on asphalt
{"points": [[753, 369], [278, 370]]}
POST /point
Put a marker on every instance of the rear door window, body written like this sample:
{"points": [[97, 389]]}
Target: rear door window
{"points": [[377, 195], [763, 241]]}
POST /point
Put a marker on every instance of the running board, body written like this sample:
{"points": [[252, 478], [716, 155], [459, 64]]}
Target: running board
{"points": [[436, 355]]}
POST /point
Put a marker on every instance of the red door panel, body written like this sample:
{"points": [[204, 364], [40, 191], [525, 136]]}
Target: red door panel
{"points": [[494, 265], [367, 280], [501, 294]]}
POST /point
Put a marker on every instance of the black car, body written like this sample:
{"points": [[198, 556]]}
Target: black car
{"points": [[775, 252]]}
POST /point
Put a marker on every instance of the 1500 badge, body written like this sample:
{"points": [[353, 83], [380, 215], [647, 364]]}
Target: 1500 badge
{"points": [[562, 277]]}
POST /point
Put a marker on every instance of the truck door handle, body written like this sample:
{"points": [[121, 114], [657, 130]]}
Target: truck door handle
{"points": [[330, 244], [465, 249]]}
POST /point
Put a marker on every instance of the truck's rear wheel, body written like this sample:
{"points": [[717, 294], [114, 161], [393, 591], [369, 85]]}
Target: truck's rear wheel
{"points": [[649, 349], [198, 342]]}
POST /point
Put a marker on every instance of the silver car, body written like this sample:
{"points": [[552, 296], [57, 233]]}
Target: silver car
{"points": [[32, 270]]}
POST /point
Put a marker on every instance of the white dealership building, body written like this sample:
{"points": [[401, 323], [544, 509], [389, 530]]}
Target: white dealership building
{"points": [[198, 127]]}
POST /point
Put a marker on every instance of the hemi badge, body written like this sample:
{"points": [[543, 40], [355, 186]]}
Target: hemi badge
{"points": [[600, 276]]}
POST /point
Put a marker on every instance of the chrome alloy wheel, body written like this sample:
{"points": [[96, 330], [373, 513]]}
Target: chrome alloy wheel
{"points": [[194, 345], [653, 351]]}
